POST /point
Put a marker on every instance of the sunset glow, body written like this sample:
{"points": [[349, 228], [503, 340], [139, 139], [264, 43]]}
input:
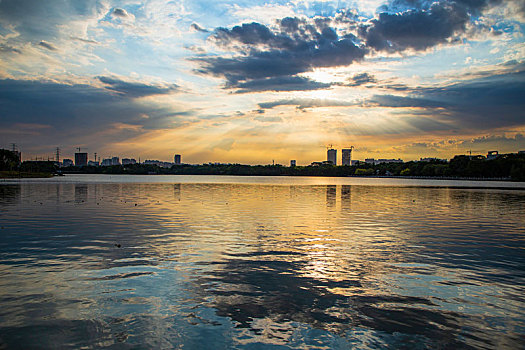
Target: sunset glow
{"points": [[255, 82]]}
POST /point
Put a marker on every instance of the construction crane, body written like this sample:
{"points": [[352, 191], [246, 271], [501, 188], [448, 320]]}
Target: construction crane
{"points": [[79, 149]]}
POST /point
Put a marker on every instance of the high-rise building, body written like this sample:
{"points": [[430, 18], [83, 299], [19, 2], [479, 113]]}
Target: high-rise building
{"points": [[177, 159], [81, 159], [115, 161], [293, 162], [331, 156], [347, 156]]}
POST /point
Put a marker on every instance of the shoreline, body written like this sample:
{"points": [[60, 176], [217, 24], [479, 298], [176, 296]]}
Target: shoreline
{"points": [[455, 178], [24, 175], [86, 179]]}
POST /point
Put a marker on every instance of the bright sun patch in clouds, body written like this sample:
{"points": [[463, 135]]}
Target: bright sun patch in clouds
{"points": [[253, 81]]}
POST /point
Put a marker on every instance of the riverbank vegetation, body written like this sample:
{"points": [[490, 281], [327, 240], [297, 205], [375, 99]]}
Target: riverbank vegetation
{"points": [[504, 167]]}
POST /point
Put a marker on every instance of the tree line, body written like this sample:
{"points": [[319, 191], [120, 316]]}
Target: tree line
{"points": [[506, 166]]}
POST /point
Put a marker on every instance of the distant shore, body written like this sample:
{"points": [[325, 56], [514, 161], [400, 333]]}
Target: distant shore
{"points": [[318, 175], [23, 175], [506, 167]]}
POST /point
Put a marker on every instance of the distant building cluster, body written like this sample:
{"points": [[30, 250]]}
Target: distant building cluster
{"points": [[331, 157], [159, 163], [373, 161], [81, 159], [346, 158], [109, 161]]}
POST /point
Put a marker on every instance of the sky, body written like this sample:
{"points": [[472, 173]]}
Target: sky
{"points": [[259, 81]]}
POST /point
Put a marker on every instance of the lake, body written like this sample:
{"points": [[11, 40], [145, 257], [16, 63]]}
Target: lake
{"points": [[210, 262]]}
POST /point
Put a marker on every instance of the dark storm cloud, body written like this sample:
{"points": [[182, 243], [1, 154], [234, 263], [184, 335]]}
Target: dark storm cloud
{"points": [[421, 24], [274, 63], [484, 103], [134, 89], [47, 45], [297, 46], [415, 29], [76, 111], [287, 83]]}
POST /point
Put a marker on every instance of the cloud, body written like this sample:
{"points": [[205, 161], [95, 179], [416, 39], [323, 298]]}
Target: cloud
{"points": [[490, 102], [135, 89], [415, 29], [422, 24], [480, 144], [263, 119], [306, 103], [122, 15], [87, 41], [45, 20], [361, 79], [9, 49], [515, 143], [198, 28], [77, 112], [472, 7], [483, 103], [296, 46], [286, 83], [393, 101], [118, 12], [47, 45]]}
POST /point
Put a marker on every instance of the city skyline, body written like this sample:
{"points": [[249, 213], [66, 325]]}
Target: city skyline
{"points": [[259, 81], [82, 159]]}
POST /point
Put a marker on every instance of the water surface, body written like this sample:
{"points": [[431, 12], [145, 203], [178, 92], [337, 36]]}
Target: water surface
{"points": [[328, 265]]}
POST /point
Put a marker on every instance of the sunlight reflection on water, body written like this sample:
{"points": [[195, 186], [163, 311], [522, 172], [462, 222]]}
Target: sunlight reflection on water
{"points": [[203, 265]]}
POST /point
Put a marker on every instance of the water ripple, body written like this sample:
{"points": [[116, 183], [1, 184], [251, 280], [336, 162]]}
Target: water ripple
{"points": [[220, 266]]}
